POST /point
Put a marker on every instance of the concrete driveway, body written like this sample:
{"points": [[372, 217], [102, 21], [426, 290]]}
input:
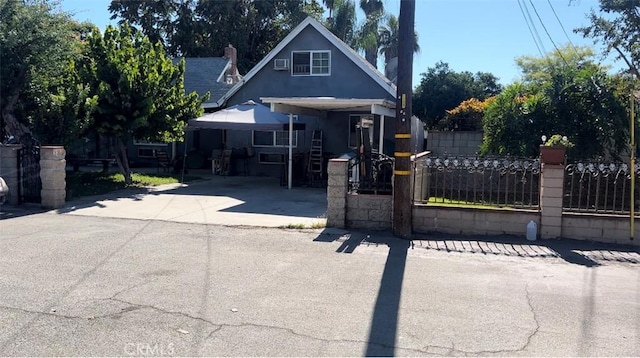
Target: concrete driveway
{"points": [[233, 201]]}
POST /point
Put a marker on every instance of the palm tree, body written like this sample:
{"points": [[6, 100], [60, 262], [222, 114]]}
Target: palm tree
{"points": [[368, 38], [344, 20], [388, 34]]}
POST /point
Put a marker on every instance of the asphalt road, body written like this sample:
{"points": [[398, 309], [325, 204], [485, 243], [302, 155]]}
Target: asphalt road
{"points": [[75, 285]]}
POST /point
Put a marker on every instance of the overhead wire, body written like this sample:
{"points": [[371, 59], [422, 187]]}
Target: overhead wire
{"points": [[561, 26], [537, 41], [547, 32]]}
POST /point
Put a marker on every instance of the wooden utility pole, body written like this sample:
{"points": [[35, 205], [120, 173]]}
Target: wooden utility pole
{"points": [[402, 171]]}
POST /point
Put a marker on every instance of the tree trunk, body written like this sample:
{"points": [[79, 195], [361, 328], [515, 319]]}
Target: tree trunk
{"points": [[120, 153], [10, 124]]}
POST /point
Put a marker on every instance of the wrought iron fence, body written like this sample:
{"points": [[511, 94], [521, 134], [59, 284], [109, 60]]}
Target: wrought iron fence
{"points": [[599, 187], [500, 182], [371, 174]]}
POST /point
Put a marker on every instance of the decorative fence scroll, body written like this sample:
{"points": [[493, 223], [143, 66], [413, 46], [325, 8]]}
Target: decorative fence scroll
{"points": [[599, 187], [501, 182]]}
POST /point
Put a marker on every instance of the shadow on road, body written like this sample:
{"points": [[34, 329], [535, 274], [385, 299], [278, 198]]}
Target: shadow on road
{"points": [[384, 321]]}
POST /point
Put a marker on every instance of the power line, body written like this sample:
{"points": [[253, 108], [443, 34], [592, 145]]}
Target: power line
{"points": [[548, 35], [530, 30], [562, 26]]}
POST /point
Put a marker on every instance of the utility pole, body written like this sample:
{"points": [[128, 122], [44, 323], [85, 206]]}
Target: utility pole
{"points": [[402, 171]]}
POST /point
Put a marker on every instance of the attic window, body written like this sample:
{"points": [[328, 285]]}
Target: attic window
{"points": [[311, 63]]}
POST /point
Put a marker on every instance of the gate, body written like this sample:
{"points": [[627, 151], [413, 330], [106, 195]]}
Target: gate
{"points": [[29, 182]]}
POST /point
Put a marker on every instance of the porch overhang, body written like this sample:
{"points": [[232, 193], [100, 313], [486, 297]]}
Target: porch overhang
{"points": [[317, 105]]}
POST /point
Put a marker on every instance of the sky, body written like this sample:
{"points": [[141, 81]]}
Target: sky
{"points": [[469, 35]]}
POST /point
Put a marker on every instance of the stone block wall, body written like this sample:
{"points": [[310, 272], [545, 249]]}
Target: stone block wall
{"points": [[471, 221], [53, 176], [369, 211], [454, 143], [9, 170], [602, 228], [337, 188]]}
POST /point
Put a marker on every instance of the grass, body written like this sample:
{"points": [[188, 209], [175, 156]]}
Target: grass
{"points": [[439, 201], [81, 184], [316, 225]]}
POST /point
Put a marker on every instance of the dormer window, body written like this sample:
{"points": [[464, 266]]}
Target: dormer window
{"points": [[311, 63]]}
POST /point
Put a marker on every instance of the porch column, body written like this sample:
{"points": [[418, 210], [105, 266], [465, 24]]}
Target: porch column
{"points": [[381, 140], [551, 189]]}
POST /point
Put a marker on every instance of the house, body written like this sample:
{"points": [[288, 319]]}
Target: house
{"points": [[328, 86], [212, 75]]}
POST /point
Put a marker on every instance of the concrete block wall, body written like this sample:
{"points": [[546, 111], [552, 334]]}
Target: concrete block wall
{"points": [[454, 143], [9, 170], [53, 176], [551, 191], [601, 228], [337, 188], [470, 221], [369, 211]]}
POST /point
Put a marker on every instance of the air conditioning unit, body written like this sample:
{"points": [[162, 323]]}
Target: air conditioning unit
{"points": [[281, 64]]}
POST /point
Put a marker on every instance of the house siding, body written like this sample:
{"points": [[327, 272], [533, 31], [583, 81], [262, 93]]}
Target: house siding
{"points": [[347, 80]]}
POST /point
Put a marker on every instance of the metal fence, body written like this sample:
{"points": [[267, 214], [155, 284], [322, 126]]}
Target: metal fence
{"points": [[371, 174], [499, 182], [599, 187]]}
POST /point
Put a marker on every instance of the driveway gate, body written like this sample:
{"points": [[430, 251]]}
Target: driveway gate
{"points": [[29, 180]]}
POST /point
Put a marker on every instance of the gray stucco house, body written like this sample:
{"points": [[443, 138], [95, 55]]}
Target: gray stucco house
{"points": [[327, 85]]}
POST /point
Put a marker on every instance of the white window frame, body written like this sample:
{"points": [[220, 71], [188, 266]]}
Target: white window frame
{"points": [[311, 72], [274, 142]]}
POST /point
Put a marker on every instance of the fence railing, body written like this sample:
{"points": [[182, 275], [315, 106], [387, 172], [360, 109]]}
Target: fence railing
{"points": [[371, 174], [599, 187], [499, 182]]}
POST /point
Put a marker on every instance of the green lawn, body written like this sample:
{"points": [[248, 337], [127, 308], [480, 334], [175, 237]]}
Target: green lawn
{"points": [[94, 183], [438, 201]]}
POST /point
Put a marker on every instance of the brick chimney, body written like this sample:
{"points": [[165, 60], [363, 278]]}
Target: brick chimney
{"points": [[232, 75]]}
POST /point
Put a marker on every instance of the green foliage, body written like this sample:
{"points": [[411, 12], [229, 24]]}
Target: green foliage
{"points": [[202, 28], [140, 92], [442, 89], [81, 184], [367, 37], [557, 140], [577, 98], [38, 44], [467, 116], [388, 38], [617, 27], [343, 21]]}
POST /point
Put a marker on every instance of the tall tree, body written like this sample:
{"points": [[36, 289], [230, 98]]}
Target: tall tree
{"points": [[572, 96], [204, 28], [343, 21], [443, 89], [388, 35], [37, 42], [140, 92], [617, 27], [368, 38]]}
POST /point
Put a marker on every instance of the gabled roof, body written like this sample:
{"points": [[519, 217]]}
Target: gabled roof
{"points": [[205, 74], [366, 67]]}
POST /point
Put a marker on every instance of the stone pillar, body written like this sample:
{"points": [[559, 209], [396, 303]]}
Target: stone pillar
{"points": [[551, 192], [337, 188], [53, 175], [9, 170]]}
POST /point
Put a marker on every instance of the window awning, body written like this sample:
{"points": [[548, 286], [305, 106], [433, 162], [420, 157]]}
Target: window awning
{"points": [[307, 105]]}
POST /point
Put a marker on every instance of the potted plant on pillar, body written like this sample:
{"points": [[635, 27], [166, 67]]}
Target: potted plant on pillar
{"points": [[553, 150]]}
